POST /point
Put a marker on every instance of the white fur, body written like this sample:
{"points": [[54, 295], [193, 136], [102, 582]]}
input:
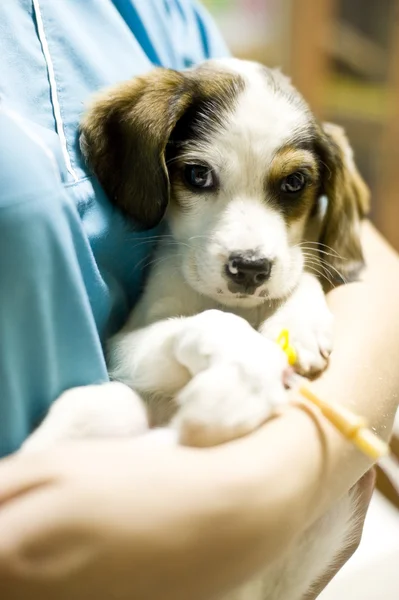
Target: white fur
{"points": [[107, 410], [204, 357], [269, 118]]}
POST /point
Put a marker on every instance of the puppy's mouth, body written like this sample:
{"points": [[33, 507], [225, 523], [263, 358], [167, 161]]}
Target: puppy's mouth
{"points": [[248, 293]]}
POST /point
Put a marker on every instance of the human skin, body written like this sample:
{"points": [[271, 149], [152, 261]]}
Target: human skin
{"points": [[139, 520]]}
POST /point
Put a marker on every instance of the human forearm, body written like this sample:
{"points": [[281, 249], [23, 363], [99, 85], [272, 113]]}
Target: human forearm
{"points": [[310, 463], [362, 375], [178, 523]]}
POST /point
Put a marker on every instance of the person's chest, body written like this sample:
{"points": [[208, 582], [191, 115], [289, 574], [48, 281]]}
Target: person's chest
{"points": [[55, 54]]}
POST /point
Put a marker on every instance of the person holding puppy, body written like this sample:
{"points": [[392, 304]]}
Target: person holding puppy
{"points": [[172, 522]]}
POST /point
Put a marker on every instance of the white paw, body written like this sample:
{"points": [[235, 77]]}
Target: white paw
{"points": [[311, 334], [107, 410], [237, 380]]}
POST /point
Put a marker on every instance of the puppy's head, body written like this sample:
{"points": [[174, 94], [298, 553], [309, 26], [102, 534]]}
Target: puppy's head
{"points": [[230, 154]]}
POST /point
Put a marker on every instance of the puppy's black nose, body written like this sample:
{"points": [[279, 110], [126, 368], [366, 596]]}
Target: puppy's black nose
{"points": [[247, 270]]}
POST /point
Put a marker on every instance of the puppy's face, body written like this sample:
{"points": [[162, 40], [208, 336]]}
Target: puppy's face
{"points": [[231, 154], [244, 180]]}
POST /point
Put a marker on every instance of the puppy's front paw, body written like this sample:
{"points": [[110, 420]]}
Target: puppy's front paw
{"points": [[234, 396], [94, 411], [311, 334]]}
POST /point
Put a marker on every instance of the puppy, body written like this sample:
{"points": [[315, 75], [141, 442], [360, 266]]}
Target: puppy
{"points": [[260, 203]]}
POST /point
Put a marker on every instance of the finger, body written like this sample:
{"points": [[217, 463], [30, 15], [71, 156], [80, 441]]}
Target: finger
{"points": [[22, 473], [36, 528], [365, 488]]}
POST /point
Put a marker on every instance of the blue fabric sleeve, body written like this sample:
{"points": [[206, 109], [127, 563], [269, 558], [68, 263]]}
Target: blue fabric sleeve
{"points": [[70, 269], [49, 340]]}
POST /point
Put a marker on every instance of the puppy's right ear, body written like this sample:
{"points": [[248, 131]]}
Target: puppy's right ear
{"points": [[124, 136]]}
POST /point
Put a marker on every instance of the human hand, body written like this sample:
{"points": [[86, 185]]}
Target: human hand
{"points": [[108, 519], [145, 520]]}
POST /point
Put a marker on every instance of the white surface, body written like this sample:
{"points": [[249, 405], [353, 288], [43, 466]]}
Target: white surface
{"points": [[373, 571]]}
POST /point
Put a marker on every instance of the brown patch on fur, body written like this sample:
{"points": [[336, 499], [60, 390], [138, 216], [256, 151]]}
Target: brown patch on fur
{"points": [[127, 129], [348, 203], [289, 159], [286, 161]]}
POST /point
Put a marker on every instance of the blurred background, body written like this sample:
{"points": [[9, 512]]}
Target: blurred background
{"points": [[343, 55]]}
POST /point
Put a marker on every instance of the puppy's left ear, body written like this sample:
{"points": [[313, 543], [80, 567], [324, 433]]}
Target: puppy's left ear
{"points": [[348, 203]]}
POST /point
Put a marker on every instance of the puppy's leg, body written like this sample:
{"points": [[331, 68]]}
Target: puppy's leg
{"points": [[240, 387], [145, 359], [227, 378], [107, 410], [310, 323]]}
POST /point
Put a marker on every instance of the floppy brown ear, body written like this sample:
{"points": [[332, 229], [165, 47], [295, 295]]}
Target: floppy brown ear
{"points": [[124, 135], [348, 203]]}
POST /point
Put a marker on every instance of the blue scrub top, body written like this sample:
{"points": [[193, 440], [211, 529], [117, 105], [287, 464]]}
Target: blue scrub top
{"points": [[53, 55]]}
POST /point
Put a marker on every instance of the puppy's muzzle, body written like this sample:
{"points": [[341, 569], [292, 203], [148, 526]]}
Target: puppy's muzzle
{"points": [[246, 271]]}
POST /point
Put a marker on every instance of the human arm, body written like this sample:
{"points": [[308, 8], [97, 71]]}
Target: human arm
{"points": [[362, 374], [177, 522]]}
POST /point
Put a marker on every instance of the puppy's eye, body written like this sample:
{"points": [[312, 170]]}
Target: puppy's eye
{"points": [[294, 183], [199, 176]]}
